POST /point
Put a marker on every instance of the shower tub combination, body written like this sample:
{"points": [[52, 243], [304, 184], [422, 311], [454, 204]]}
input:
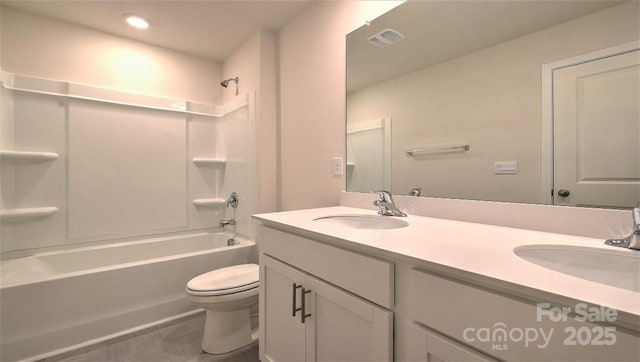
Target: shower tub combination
{"points": [[57, 301], [94, 245]]}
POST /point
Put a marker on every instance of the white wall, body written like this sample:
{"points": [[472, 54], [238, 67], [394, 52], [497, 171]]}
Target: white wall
{"points": [[312, 99], [46, 48], [492, 100]]}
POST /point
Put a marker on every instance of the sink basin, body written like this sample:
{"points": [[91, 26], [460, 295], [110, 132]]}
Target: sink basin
{"points": [[617, 268], [369, 222]]}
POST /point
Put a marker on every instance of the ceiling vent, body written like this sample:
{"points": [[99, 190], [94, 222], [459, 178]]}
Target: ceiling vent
{"points": [[385, 38]]}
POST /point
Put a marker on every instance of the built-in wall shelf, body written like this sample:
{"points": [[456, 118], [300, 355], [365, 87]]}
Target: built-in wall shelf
{"points": [[21, 157], [210, 202], [25, 214], [209, 162], [79, 91]]}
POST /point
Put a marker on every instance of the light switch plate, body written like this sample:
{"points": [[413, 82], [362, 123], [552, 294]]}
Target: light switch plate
{"points": [[337, 166]]}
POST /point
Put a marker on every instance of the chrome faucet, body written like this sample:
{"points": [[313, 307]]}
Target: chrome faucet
{"points": [[224, 223], [386, 205], [633, 240]]}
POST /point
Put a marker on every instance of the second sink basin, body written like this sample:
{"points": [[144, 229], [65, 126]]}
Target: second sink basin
{"points": [[617, 268], [369, 222]]}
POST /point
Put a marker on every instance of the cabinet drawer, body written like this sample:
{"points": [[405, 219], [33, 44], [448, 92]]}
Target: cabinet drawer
{"points": [[510, 328], [368, 277]]}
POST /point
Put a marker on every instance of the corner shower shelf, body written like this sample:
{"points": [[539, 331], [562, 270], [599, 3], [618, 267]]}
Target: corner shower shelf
{"points": [[25, 214], [209, 162], [22, 157], [210, 202]]}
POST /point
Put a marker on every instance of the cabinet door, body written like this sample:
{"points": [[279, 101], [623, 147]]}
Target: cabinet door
{"points": [[426, 345], [343, 327], [281, 334]]}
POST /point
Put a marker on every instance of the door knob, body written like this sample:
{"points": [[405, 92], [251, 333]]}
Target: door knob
{"points": [[564, 193]]}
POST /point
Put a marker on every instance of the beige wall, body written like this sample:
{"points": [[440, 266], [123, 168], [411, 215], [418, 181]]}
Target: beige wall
{"points": [[46, 48], [312, 99], [491, 99]]}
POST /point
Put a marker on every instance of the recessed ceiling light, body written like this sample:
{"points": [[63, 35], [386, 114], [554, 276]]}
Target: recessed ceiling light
{"points": [[137, 21]]}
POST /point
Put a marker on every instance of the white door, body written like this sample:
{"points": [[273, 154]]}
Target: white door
{"points": [[342, 327], [597, 132], [281, 333], [337, 326]]}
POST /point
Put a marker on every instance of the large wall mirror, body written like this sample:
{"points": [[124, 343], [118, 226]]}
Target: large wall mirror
{"points": [[518, 101]]}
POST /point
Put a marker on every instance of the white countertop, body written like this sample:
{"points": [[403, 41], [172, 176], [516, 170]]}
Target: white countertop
{"points": [[468, 249]]}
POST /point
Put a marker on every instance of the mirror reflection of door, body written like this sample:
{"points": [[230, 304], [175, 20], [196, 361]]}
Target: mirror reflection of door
{"points": [[596, 116], [369, 155]]}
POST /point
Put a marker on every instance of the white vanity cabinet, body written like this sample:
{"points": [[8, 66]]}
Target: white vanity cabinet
{"points": [[366, 302], [472, 323], [305, 318]]}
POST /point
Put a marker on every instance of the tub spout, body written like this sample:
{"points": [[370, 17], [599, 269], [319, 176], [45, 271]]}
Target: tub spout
{"points": [[224, 223]]}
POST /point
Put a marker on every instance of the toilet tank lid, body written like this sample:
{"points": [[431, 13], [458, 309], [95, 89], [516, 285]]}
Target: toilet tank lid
{"points": [[226, 278]]}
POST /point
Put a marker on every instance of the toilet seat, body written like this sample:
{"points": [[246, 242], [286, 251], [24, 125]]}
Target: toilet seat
{"points": [[225, 281]]}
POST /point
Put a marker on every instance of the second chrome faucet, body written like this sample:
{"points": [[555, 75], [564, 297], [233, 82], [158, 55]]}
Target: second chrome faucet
{"points": [[633, 240], [386, 204]]}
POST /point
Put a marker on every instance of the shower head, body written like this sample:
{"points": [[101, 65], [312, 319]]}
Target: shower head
{"points": [[225, 83]]}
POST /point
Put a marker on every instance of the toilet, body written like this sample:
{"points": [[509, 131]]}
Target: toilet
{"points": [[228, 294]]}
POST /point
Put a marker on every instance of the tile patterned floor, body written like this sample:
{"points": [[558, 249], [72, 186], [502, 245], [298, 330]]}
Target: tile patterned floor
{"points": [[179, 341]]}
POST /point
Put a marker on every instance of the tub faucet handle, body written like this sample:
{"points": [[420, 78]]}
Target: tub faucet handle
{"points": [[233, 200]]}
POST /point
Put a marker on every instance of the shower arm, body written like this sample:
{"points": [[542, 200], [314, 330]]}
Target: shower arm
{"points": [[225, 83]]}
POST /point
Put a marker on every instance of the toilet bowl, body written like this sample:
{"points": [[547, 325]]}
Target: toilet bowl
{"points": [[227, 294]]}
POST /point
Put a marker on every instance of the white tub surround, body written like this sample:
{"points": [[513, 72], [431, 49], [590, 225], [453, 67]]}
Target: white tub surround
{"points": [[77, 163], [449, 275]]}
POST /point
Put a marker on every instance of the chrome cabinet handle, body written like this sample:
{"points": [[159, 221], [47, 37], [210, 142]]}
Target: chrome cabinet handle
{"points": [[295, 310], [304, 315]]}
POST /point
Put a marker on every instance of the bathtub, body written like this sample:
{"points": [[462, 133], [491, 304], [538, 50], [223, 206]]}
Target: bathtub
{"points": [[57, 301]]}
